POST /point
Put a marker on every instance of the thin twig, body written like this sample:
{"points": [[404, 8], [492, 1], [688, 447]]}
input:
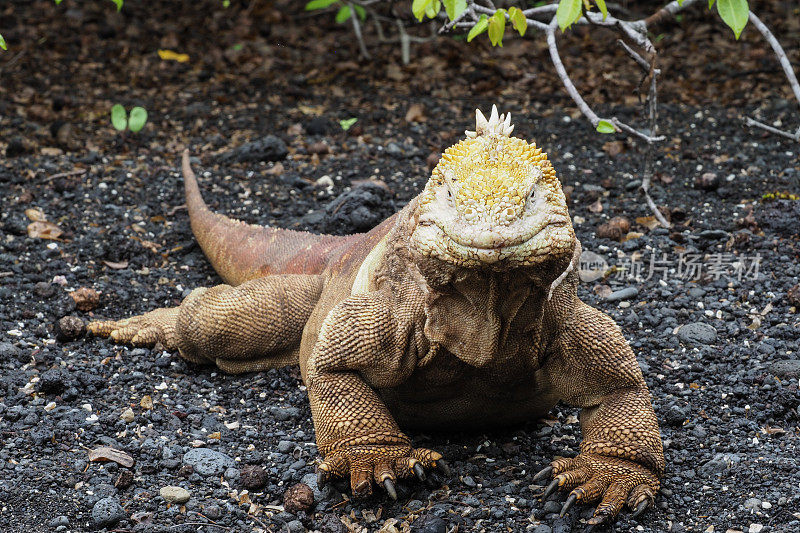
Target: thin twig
{"points": [[357, 31], [647, 171], [555, 57], [642, 62], [668, 10], [793, 136], [76, 172], [787, 69]]}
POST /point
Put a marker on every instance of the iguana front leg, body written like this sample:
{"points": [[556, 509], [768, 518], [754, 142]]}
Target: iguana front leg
{"points": [[253, 326], [362, 346], [621, 459]]}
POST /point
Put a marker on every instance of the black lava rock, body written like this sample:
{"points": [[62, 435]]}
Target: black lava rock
{"points": [[358, 210], [429, 524], [107, 512], [52, 381], [269, 148], [253, 477], [69, 328]]}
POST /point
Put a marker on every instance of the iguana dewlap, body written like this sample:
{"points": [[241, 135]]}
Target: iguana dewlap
{"points": [[459, 311]]}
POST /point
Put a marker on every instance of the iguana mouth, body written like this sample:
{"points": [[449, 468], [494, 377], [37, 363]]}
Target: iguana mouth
{"points": [[504, 238], [525, 248]]}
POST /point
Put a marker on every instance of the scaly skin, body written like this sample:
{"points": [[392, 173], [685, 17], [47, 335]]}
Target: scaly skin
{"points": [[459, 310]]}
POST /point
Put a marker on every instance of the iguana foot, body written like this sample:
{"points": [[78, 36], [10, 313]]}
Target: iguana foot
{"points": [[613, 481], [380, 463], [157, 326]]}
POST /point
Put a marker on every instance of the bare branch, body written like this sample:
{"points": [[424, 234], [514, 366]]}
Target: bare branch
{"points": [[793, 136], [669, 10], [647, 170], [357, 31], [642, 62], [565, 79], [778, 49], [649, 139]]}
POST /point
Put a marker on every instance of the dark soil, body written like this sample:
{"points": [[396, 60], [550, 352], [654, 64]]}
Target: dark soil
{"points": [[719, 353]]}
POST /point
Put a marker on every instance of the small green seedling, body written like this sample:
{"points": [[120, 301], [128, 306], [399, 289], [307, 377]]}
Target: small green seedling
{"points": [[3, 43], [347, 123], [121, 121]]}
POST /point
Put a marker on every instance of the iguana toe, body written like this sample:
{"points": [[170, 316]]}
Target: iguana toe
{"points": [[611, 480], [143, 330], [381, 464]]}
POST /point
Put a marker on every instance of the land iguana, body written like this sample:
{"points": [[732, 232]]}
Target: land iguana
{"points": [[460, 311]]}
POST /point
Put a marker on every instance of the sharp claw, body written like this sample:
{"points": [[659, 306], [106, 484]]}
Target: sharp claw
{"points": [[568, 504], [442, 465], [543, 473], [642, 507], [363, 489], [551, 488], [597, 520], [390, 490], [419, 471]]}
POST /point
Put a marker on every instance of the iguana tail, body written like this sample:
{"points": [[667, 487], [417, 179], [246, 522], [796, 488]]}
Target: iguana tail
{"points": [[240, 251]]}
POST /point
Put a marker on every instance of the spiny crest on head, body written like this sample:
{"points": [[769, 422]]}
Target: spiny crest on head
{"points": [[492, 168], [496, 125]]}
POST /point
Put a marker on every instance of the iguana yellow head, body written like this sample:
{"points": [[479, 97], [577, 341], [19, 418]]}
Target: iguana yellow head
{"points": [[493, 200]]}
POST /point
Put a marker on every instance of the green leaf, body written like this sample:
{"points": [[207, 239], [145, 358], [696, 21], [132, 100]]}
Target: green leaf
{"points": [[734, 13], [58, 2], [137, 119], [433, 8], [226, 3], [347, 123], [3, 43], [568, 12], [119, 118], [518, 20], [319, 4], [680, 2], [605, 126], [604, 10], [711, 3], [118, 3], [360, 11], [454, 8], [481, 26], [343, 14], [418, 8], [497, 27]]}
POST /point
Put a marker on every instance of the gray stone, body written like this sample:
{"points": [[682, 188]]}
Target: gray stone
{"points": [[284, 413], [296, 526], [592, 266], [720, 463], [107, 512], [697, 333], [60, 520], [714, 234], [753, 504], [175, 494], [788, 369], [207, 462], [542, 528], [622, 294], [8, 351]]}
